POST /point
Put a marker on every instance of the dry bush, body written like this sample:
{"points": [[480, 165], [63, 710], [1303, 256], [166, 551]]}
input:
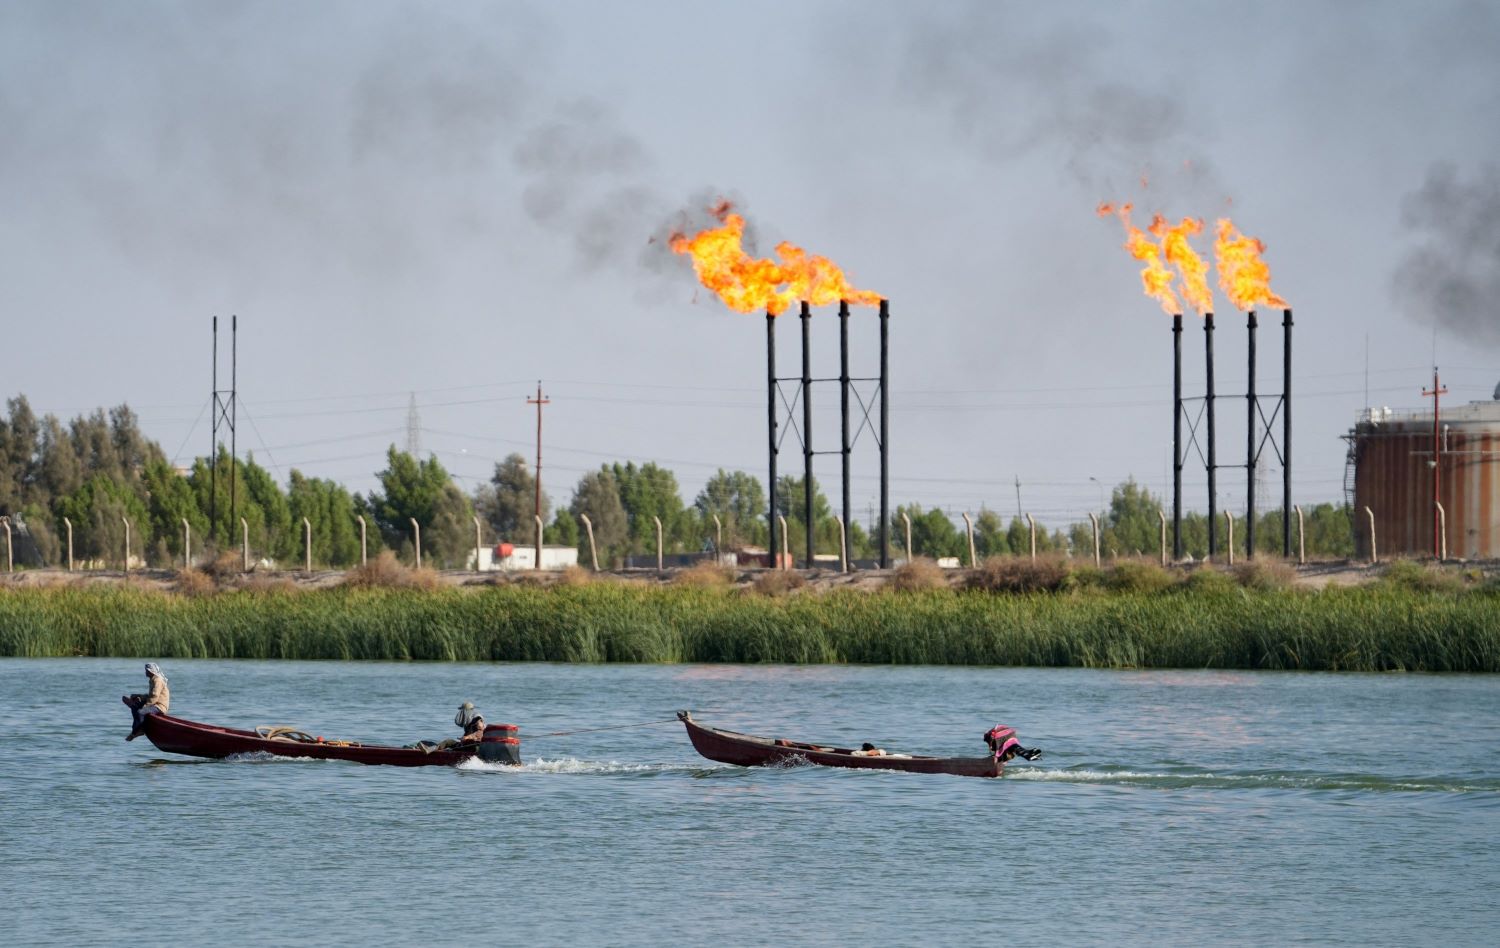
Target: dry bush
{"points": [[575, 575], [224, 565], [1138, 576], [269, 585], [1265, 574], [194, 582], [1012, 574], [1407, 574], [779, 582], [386, 572], [706, 573], [1207, 580], [917, 575]]}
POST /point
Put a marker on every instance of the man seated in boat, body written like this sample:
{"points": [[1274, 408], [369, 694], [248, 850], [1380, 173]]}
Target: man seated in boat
{"points": [[1003, 744], [156, 700], [472, 723]]}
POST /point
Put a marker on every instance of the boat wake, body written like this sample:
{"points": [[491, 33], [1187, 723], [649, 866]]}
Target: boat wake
{"points": [[572, 765], [1254, 780]]}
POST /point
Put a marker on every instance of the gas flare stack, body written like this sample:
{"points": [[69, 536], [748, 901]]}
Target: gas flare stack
{"points": [[1260, 431], [779, 407], [747, 284]]}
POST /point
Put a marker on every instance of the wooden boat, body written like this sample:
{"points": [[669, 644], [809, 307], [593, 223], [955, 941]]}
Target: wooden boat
{"points": [[746, 750], [180, 736]]}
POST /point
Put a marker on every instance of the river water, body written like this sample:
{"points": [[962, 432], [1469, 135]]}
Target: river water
{"points": [[1171, 807]]}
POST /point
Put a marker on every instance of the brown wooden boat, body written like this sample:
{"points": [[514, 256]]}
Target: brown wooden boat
{"points": [[746, 750], [180, 736]]}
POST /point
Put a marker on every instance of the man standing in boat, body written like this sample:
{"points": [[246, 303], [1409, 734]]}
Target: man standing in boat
{"points": [[156, 700]]}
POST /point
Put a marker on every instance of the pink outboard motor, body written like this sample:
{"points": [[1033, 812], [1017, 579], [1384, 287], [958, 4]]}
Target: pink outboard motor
{"points": [[1002, 742]]}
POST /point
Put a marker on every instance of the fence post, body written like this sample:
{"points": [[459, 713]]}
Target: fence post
{"points": [[1442, 532], [658, 544], [69, 525], [1094, 520], [1032, 521], [1374, 555], [969, 529], [538, 519], [843, 546], [244, 546], [718, 537], [307, 546], [588, 525], [10, 562], [1162, 514], [127, 545], [416, 534], [1301, 540], [187, 544], [786, 547], [363, 549], [1229, 519], [907, 520], [477, 543]]}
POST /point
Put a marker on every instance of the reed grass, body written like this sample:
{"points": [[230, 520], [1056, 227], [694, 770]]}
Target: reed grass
{"points": [[1199, 624]]}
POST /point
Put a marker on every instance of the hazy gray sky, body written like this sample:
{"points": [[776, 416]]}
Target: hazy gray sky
{"points": [[456, 199]]}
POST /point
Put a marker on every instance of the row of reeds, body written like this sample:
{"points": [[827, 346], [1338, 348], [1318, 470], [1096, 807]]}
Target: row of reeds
{"points": [[1201, 623]]}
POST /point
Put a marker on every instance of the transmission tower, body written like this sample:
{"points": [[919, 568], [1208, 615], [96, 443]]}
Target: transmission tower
{"points": [[413, 428], [226, 408]]}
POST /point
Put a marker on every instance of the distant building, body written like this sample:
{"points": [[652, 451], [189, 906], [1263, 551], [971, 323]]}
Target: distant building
{"points": [[507, 557]]}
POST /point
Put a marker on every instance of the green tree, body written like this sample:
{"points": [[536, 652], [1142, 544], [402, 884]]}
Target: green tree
{"points": [[990, 537], [422, 491], [1132, 523], [97, 511], [933, 533], [169, 501], [598, 497], [648, 492], [508, 502], [739, 501], [329, 510], [791, 502], [20, 438]]}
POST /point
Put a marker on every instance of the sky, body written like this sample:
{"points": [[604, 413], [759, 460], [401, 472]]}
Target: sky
{"points": [[450, 202]]}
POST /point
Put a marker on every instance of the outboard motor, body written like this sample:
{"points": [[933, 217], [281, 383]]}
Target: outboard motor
{"points": [[500, 745], [1002, 742]]}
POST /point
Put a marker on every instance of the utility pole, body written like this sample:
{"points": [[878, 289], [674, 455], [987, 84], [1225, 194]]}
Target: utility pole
{"points": [[539, 401], [1018, 496], [1437, 465]]}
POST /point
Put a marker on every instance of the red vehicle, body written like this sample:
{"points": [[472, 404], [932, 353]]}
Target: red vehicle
{"points": [[745, 750], [179, 736]]}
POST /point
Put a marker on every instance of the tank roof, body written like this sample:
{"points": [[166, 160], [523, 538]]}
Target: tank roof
{"points": [[1470, 413]]}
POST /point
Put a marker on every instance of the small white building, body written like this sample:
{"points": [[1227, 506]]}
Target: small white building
{"points": [[508, 558]]}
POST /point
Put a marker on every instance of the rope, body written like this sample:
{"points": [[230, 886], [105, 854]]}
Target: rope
{"points": [[590, 730]]}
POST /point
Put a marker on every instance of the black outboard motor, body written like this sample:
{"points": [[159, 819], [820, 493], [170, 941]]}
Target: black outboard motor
{"points": [[500, 745]]}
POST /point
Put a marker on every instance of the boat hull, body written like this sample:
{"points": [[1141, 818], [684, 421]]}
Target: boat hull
{"points": [[180, 736], [746, 750]]}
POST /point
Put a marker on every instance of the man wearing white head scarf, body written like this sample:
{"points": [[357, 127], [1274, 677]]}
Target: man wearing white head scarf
{"points": [[156, 700]]}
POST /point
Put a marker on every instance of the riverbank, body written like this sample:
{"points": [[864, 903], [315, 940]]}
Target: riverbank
{"points": [[1412, 619]]}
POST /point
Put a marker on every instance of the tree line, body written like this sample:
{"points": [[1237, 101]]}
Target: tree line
{"points": [[98, 471]]}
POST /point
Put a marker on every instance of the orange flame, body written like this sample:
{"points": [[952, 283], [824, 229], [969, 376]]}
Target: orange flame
{"points": [[747, 284], [1180, 253], [1243, 275], [1156, 279]]}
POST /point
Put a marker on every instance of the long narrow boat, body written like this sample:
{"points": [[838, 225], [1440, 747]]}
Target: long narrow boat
{"points": [[180, 736], [747, 750]]}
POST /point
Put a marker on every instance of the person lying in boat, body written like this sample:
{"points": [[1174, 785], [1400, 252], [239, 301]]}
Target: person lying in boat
{"points": [[1002, 743], [156, 700], [869, 750]]}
